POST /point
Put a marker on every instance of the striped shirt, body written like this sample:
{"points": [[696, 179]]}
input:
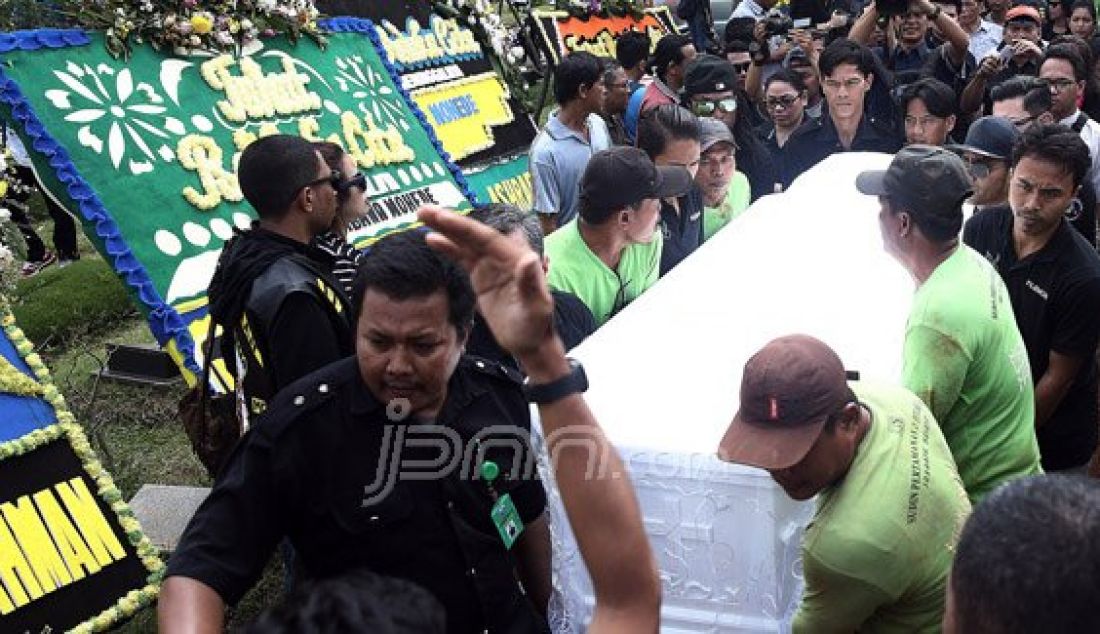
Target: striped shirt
{"points": [[346, 258]]}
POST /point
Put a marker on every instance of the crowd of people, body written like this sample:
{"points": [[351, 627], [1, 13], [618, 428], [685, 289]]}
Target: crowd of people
{"points": [[936, 508]]}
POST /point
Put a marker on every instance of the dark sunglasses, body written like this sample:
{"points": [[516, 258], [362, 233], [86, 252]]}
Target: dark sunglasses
{"points": [[780, 103], [706, 108], [980, 168], [742, 67], [359, 180], [333, 179]]}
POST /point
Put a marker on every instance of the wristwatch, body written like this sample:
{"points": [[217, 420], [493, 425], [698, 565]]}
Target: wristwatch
{"points": [[576, 382]]}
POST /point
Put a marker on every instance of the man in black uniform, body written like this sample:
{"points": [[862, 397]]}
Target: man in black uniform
{"points": [[1053, 279], [338, 466], [272, 292], [846, 75]]}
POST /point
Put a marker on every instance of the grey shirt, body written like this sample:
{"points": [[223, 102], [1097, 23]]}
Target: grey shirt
{"points": [[558, 158]]}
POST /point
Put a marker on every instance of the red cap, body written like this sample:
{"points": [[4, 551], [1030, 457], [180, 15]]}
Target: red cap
{"points": [[1024, 11], [788, 390]]}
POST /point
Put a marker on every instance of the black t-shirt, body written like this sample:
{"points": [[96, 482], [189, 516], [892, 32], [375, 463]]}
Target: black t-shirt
{"points": [[572, 321], [332, 471], [1055, 295], [683, 230], [817, 139]]}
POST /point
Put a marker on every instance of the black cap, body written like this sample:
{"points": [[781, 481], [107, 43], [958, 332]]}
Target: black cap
{"points": [[623, 176], [707, 73], [928, 181], [990, 136]]}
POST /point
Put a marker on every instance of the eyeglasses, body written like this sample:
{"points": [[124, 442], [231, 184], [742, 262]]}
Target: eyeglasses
{"points": [[922, 122], [359, 180], [707, 107], [1060, 85], [780, 103], [742, 67], [333, 178], [851, 83]]}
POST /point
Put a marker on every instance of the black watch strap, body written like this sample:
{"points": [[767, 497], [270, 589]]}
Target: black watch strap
{"points": [[573, 383]]}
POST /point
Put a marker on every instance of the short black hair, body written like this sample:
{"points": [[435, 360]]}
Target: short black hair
{"points": [[845, 51], [272, 171], [666, 123], [1069, 53], [575, 71], [507, 218], [938, 97], [938, 226], [670, 50], [402, 266], [608, 66], [359, 601], [1028, 559], [1035, 92], [1083, 4], [787, 76], [632, 48], [1055, 144], [738, 29]]}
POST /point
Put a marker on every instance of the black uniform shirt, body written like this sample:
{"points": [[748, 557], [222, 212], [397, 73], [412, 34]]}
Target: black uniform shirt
{"points": [[817, 139], [682, 231], [1055, 295], [331, 471]]}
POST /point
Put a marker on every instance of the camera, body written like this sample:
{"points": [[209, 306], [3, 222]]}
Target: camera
{"points": [[777, 23], [890, 8]]}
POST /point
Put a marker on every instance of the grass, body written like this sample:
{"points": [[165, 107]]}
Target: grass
{"points": [[71, 314]]}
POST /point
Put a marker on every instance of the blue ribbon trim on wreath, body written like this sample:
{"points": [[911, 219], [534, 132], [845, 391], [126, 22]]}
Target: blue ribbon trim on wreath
{"points": [[165, 323], [366, 27]]}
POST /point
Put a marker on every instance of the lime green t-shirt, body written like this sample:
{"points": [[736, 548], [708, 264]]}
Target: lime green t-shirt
{"points": [[878, 551], [736, 202], [965, 358], [574, 268]]}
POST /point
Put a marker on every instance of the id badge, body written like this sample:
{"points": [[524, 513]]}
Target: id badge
{"points": [[506, 518]]}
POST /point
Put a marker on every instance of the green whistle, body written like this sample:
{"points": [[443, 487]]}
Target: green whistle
{"points": [[489, 471]]}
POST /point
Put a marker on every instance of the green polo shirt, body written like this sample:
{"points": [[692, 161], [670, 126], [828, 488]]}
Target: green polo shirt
{"points": [[736, 202], [965, 358], [575, 269], [878, 551]]}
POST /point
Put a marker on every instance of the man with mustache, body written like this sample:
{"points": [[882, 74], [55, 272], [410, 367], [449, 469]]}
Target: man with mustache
{"points": [[1053, 280]]}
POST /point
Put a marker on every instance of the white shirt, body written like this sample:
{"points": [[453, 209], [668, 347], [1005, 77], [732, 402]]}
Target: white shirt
{"points": [[984, 41], [1090, 134], [749, 9]]}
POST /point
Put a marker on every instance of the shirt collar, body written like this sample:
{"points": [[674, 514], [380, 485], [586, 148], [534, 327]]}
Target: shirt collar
{"points": [[665, 90], [461, 390], [558, 130], [1070, 120]]}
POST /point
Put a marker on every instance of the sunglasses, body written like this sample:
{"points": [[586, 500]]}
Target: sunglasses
{"points": [[333, 179], [359, 180], [706, 108], [780, 103], [979, 168], [742, 67]]}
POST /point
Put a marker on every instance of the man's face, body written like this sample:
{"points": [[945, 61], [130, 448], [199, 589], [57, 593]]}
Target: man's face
{"points": [[825, 463], [1039, 192], [784, 104], [845, 89], [723, 106], [989, 177], [618, 92], [971, 13], [1021, 29], [716, 168], [810, 79], [1064, 88], [354, 204], [407, 349], [1013, 110], [921, 126], [677, 71], [912, 27], [997, 6], [596, 97], [323, 199], [741, 60], [641, 225], [1081, 24], [680, 153]]}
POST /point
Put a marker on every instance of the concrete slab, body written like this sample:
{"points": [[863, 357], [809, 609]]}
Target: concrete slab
{"points": [[165, 510]]}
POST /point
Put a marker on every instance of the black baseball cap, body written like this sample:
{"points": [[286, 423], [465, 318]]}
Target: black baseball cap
{"points": [[788, 391], [929, 181], [991, 137], [707, 74], [623, 176]]}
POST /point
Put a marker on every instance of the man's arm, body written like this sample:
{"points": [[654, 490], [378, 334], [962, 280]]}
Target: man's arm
{"points": [[533, 557], [301, 339], [547, 198], [864, 27], [187, 606], [958, 40], [834, 601], [514, 299], [934, 368], [1052, 387], [971, 98]]}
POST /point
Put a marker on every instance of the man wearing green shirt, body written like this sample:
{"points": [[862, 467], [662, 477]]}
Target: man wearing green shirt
{"points": [[890, 505], [726, 191], [963, 354], [611, 252]]}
